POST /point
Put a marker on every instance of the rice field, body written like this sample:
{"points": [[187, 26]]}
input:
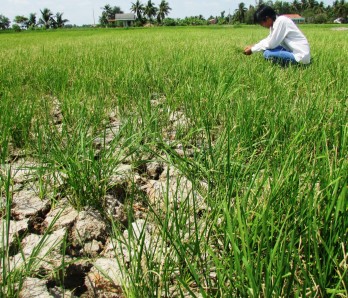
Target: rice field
{"points": [[257, 154]]}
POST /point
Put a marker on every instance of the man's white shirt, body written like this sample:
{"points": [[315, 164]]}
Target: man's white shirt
{"points": [[285, 33]]}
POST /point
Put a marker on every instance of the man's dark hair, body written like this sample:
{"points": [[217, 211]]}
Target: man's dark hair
{"points": [[263, 12]]}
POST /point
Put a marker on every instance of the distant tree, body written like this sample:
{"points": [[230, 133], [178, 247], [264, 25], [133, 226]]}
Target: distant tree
{"points": [[283, 7], [278, 6], [103, 20], [114, 11], [46, 18], [59, 21], [304, 5], [259, 2], [249, 15], [229, 18], [22, 21], [4, 22], [169, 22], [320, 18], [240, 12], [193, 21], [107, 9], [296, 6], [16, 28], [163, 11], [222, 19], [31, 20], [138, 8], [320, 9], [340, 8], [312, 4], [108, 13], [150, 10]]}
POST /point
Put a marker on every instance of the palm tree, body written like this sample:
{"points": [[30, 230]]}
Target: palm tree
{"points": [[163, 11], [138, 8], [106, 13], [296, 6], [240, 12], [150, 10], [107, 9], [340, 8], [109, 14], [60, 22], [312, 4], [249, 15], [4, 22], [320, 8], [46, 17], [32, 20], [304, 5]]}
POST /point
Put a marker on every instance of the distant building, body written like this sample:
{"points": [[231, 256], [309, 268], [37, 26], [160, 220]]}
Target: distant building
{"points": [[296, 18], [127, 19]]}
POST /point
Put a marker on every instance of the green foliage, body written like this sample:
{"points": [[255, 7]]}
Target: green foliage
{"points": [[150, 10], [315, 12], [16, 28], [4, 22], [321, 18], [192, 21], [108, 13], [169, 22], [59, 21], [46, 18], [163, 11], [21, 21]]}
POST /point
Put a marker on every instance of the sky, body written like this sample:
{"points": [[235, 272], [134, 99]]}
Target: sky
{"points": [[82, 12]]}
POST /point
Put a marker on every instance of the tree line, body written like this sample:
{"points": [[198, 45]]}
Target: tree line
{"points": [[312, 10], [144, 13], [47, 20]]}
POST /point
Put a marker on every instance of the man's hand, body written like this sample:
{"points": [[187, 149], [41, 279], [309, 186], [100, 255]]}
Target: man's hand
{"points": [[247, 50]]}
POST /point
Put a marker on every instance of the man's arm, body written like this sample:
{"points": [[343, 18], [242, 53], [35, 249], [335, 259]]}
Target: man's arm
{"points": [[261, 45]]}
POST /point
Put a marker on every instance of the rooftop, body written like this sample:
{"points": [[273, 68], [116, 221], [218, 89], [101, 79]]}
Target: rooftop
{"points": [[125, 17], [293, 16]]}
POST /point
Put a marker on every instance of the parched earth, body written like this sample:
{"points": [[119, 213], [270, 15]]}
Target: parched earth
{"points": [[60, 247]]}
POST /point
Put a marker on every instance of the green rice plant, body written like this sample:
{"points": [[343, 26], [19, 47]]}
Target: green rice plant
{"points": [[8, 280], [82, 168], [268, 143]]}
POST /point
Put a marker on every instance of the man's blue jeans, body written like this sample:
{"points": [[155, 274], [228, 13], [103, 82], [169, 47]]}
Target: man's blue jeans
{"points": [[280, 55]]}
